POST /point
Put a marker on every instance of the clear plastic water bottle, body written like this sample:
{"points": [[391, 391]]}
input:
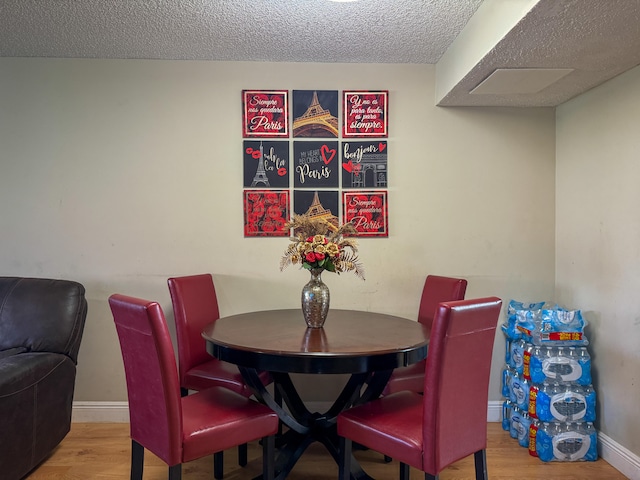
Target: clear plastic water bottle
{"points": [[519, 392], [523, 433], [584, 359], [536, 374], [526, 361], [517, 355], [506, 415]]}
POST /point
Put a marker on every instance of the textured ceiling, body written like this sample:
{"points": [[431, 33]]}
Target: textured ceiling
{"points": [[597, 38], [366, 31]]}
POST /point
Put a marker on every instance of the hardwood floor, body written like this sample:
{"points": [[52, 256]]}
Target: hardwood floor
{"points": [[101, 451]]}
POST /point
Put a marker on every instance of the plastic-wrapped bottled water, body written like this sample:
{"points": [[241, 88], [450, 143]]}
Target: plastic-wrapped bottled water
{"points": [[563, 403], [560, 327], [558, 364], [567, 442], [517, 324]]}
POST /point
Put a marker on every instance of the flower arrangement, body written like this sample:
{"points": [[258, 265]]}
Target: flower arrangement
{"points": [[319, 244]]}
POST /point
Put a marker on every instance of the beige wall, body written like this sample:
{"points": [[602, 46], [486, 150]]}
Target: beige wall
{"points": [[120, 174], [598, 241]]}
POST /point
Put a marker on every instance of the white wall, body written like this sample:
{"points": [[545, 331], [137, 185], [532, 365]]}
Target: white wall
{"points": [[598, 241], [121, 173]]}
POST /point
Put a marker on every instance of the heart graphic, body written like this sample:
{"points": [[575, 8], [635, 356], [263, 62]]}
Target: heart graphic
{"points": [[256, 154], [324, 151], [348, 166], [382, 146]]}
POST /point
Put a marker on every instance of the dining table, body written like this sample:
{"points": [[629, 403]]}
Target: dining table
{"points": [[365, 345]]}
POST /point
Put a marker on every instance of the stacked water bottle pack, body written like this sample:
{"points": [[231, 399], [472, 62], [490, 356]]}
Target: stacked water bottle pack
{"points": [[550, 404]]}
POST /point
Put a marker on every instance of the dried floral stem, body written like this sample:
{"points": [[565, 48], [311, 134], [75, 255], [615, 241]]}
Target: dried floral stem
{"points": [[319, 244]]}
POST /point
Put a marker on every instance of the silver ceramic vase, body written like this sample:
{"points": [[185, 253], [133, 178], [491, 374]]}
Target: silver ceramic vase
{"points": [[315, 300]]}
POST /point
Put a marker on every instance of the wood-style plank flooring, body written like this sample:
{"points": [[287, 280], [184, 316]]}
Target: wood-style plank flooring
{"points": [[102, 451]]}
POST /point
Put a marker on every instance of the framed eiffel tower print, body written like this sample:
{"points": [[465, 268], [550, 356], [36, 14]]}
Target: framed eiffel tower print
{"points": [[266, 163], [265, 213], [317, 204], [265, 113], [365, 113], [315, 113]]}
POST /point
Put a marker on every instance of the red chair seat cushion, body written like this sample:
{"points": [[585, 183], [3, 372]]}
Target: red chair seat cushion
{"points": [[406, 378], [217, 373], [217, 419], [391, 424]]}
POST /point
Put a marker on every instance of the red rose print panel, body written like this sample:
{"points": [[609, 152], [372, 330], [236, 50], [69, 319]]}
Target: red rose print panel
{"points": [[265, 213], [365, 113], [265, 113], [367, 211]]}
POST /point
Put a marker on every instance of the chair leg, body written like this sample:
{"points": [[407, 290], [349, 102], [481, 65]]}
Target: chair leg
{"points": [[404, 471], [242, 455], [480, 459], [218, 465], [344, 466], [137, 460], [268, 457], [175, 472]]}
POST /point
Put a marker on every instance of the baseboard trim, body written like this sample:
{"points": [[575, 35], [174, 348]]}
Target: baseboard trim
{"points": [[100, 412], [619, 457], [494, 411], [612, 452]]}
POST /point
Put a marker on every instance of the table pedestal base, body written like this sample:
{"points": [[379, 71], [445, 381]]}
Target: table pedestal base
{"points": [[306, 427]]}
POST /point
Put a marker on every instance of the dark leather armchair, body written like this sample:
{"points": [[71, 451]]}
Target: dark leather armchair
{"points": [[41, 325]]}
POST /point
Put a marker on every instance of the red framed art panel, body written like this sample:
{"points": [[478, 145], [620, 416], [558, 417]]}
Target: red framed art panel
{"points": [[367, 211], [365, 113], [265, 213], [265, 113]]}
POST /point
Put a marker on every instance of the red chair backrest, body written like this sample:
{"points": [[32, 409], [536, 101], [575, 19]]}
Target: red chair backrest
{"points": [[436, 290], [155, 409], [457, 374], [195, 305]]}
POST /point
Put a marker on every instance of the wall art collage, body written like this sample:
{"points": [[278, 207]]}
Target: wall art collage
{"points": [[318, 153]]}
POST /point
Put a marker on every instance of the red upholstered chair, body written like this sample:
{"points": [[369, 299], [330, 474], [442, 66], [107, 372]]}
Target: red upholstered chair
{"points": [[449, 422], [436, 290], [179, 429], [195, 305]]}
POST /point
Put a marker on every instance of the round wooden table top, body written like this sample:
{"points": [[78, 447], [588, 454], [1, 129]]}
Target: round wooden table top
{"points": [[351, 341]]}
